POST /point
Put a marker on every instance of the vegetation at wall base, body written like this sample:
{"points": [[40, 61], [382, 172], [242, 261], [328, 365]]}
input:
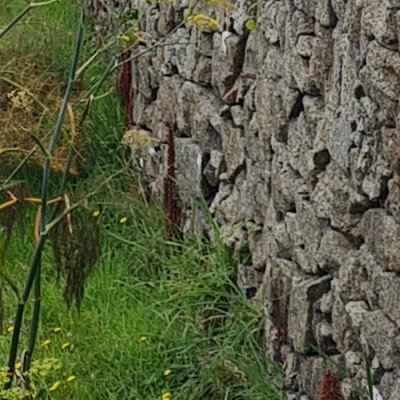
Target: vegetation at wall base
{"points": [[159, 319]]}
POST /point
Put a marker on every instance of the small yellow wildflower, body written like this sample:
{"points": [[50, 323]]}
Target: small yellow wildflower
{"points": [[56, 329], [143, 339], [10, 329], [65, 345], [46, 343], [92, 377], [71, 378], [166, 396], [54, 386], [18, 365], [95, 213], [123, 220], [167, 372]]}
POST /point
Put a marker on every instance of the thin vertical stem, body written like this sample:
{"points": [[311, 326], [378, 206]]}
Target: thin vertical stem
{"points": [[21, 307], [46, 180], [35, 318], [34, 271]]}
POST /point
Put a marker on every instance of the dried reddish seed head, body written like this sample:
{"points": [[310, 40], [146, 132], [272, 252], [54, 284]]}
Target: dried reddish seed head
{"points": [[126, 89], [171, 203], [330, 386]]}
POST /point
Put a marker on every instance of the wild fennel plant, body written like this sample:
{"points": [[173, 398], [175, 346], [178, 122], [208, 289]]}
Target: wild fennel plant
{"points": [[34, 274]]}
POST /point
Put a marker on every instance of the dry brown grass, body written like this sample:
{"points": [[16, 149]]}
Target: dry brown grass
{"points": [[30, 97]]}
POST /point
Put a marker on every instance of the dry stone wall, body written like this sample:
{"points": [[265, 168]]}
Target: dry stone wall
{"points": [[291, 133]]}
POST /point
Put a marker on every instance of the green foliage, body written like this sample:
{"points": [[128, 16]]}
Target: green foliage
{"points": [[38, 376], [151, 307], [369, 379], [251, 25], [159, 320], [47, 31]]}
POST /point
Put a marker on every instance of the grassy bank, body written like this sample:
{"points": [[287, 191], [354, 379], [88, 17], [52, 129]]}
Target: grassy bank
{"points": [[159, 320], [156, 318]]}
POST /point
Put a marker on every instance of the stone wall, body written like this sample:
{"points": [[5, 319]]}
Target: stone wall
{"points": [[291, 133]]}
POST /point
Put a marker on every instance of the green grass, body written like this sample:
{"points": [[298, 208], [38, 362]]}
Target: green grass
{"points": [[150, 306], [181, 297], [44, 40], [45, 31]]}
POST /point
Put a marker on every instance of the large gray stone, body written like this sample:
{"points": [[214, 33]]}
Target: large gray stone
{"points": [[227, 62], [382, 335], [304, 294], [337, 200], [381, 235]]}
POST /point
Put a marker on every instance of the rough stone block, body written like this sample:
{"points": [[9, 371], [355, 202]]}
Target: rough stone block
{"points": [[304, 294], [381, 235], [381, 333], [227, 61]]}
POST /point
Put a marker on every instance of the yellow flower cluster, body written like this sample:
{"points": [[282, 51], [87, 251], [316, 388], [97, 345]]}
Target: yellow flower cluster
{"points": [[43, 367], [39, 369], [15, 393], [166, 396], [138, 139], [202, 21], [20, 99]]}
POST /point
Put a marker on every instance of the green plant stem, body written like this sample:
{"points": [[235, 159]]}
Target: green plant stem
{"points": [[35, 318], [22, 14], [87, 63], [13, 173], [12, 150], [17, 169], [369, 379], [114, 64], [20, 309], [70, 152], [34, 271], [10, 283], [159, 43], [46, 180]]}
